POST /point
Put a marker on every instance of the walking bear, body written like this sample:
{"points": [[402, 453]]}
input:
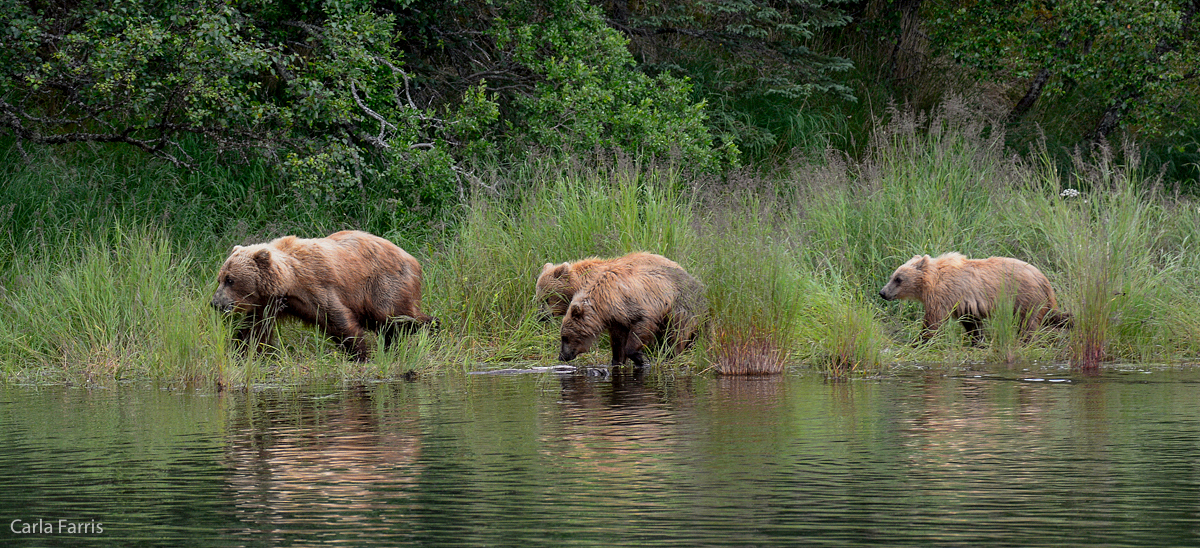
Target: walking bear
{"points": [[636, 303], [953, 286], [345, 284], [557, 283]]}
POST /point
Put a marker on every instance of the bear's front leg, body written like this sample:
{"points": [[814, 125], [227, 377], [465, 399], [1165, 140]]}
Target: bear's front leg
{"points": [[929, 327], [257, 332], [974, 328], [639, 333], [356, 346], [617, 337]]}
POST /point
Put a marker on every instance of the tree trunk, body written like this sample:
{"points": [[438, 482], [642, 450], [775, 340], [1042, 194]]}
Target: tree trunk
{"points": [[904, 62], [1035, 91], [1109, 120]]}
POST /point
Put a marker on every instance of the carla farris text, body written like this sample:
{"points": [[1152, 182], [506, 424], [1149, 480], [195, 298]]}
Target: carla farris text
{"points": [[56, 527]]}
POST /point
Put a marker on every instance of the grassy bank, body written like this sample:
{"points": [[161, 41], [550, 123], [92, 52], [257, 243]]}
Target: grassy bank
{"points": [[109, 263]]}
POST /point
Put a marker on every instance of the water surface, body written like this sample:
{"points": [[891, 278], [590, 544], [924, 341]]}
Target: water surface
{"points": [[998, 457]]}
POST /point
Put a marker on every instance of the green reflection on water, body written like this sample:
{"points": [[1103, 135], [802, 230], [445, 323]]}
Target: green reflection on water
{"points": [[634, 458]]}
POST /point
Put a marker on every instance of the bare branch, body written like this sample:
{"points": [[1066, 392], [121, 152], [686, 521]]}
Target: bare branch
{"points": [[383, 123]]}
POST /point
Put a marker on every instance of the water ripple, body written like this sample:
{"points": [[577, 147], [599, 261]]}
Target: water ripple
{"points": [[630, 459]]}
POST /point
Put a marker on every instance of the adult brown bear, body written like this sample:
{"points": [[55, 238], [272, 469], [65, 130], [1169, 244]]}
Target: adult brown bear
{"points": [[346, 284], [635, 305], [953, 286]]}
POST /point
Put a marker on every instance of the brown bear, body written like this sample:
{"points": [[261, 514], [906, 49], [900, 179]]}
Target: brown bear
{"points": [[953, 286], [346, 284], [557, 283], [635, 304]]}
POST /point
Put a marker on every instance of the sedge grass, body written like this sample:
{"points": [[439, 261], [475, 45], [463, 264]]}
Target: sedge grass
{"points": [[111, 305], [116, 287]]}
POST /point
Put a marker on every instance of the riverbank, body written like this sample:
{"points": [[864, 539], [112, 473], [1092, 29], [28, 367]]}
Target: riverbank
{"points": [[111, 262]]}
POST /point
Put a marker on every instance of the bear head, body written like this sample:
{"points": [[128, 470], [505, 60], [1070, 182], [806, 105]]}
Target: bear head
{"points": [[244, 279], [554, 290], [908, 281], [580, 328]]}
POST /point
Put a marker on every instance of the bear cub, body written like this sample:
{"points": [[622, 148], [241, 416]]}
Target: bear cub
{"points": [[636, 302], [953, 286], [558, 283]]}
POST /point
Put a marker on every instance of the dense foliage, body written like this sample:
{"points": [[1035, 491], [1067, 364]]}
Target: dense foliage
{"points": [[1136, 61], [327, 92], [751, 60]]}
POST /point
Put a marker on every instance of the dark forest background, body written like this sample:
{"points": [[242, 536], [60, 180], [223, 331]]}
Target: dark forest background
{"points": [[416, 99]]}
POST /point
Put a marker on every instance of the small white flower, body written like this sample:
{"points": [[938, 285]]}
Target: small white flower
{"points": [[1069, 193]]}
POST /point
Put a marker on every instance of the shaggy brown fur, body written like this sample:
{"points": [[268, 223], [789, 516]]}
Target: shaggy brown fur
{"points": [[636, 304], [953, 286], [346, 284], [557, 283]]}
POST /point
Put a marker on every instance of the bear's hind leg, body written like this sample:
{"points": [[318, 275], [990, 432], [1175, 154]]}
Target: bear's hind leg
{"points": [[348, 332], [677, 336]]}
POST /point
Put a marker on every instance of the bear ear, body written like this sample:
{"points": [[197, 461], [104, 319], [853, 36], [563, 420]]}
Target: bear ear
{"points": [[236, 248], [263, 258], [561, 270], [577, 310], [920, 264]]}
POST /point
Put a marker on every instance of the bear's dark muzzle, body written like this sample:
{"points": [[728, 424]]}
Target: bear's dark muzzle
{"points": [[222, 307], [566, 354], [884, 295]]}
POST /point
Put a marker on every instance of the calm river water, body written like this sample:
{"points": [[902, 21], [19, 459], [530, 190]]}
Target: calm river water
{"points": [[997, 457]]}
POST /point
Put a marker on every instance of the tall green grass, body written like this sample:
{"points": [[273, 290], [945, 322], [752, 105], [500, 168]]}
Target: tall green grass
{"points": [[110, 305], [756, 291], [1127, 245], [108, 264]]}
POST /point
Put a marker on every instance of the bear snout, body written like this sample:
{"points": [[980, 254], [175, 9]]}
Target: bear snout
{"points": [[566, 354], [884, 295], [222, 305]]}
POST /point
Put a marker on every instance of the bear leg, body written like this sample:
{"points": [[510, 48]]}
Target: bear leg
{"points": [[639, 334], [929, 328], [346, 330], [356, 347], [618, 337], [1032, 320], [257, 333], [676, 336], [974, 328], [404, 326], [625, 345], [393, 329]]}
